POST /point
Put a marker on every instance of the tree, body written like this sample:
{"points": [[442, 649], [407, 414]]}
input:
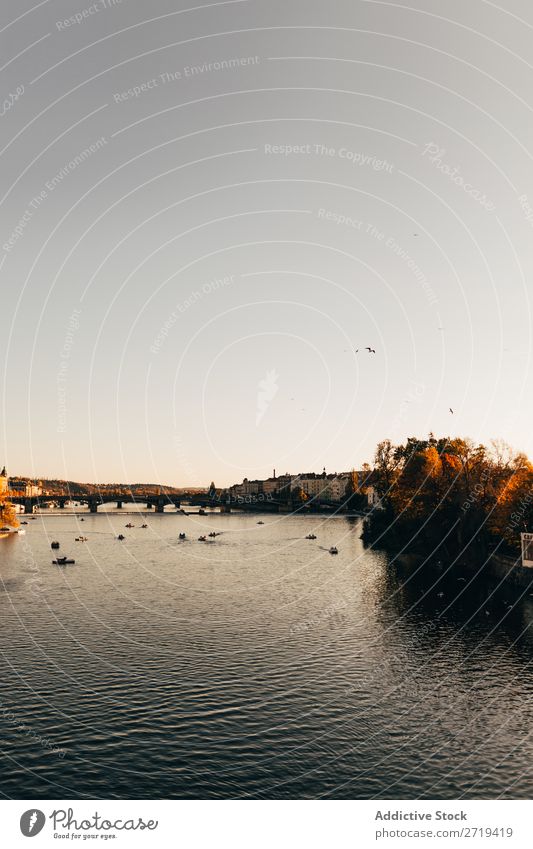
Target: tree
{"points": [[299, 497], [452, 490], [353, 497], [8, 515]]}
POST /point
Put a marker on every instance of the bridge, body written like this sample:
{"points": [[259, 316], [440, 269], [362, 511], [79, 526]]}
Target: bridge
{"points": [[259, 503], [96, 499], [149, 501]]}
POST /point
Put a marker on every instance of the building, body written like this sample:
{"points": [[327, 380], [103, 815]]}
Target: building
{"points": [[246, 488], [372, 497], [322, 487], [4, 482], [25, 488]]}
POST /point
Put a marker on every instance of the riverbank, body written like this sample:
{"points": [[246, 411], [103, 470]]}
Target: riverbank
{"points": [[497, 567]]}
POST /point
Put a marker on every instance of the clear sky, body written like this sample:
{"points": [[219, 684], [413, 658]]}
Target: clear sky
{"points": [[204, 212]]}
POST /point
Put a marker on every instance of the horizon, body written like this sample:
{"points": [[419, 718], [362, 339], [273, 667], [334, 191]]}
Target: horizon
{"points": [[514, 449]]}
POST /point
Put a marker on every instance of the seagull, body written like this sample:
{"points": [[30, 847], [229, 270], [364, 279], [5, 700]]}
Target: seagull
{"points": [[370, 350], [451, 411]]}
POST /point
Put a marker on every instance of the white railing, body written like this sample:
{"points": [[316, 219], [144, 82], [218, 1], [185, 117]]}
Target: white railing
{"points": [[527, 549]]}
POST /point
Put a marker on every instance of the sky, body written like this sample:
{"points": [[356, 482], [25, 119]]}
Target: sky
{"points": [[207, 208]]}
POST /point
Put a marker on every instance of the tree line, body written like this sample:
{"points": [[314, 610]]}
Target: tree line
{"points": [[450, 496]]}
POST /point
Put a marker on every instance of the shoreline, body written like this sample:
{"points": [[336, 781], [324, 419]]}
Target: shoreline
{"points": [[60, 514], [499, 567]]}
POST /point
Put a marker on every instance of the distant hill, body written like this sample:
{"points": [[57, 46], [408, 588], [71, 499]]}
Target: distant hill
{"points": [[54, 486]]}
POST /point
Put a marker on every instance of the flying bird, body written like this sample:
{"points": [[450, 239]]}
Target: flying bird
{"points": [[370, 350], [451, 411]]}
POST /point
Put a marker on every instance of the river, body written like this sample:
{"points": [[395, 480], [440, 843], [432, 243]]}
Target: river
{"points": [[254, 666]]}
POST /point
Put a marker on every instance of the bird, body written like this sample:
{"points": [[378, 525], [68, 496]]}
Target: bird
{"points": [[370, 350], [451, 411]]}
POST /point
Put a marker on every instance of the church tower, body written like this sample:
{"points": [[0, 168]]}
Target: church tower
{"points": [[3, 481]]}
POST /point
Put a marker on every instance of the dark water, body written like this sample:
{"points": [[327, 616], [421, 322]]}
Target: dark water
{"points": [[257, 666]]}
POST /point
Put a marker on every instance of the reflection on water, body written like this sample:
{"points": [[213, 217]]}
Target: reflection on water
{"points": [[256, 665]]}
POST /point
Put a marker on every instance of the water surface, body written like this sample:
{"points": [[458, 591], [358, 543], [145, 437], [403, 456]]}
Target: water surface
{"points": [[256, 666]]}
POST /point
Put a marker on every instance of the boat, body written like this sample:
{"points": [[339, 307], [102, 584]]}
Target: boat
{"points": [[212, 534], [23, 523], [144, 526], [182, 536], [63, 561], [129, 525], [81, 539], [334, 550], [201, 512], [260, 523], [310, 536], [202, 539], [121, 537], [54, 544]]}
